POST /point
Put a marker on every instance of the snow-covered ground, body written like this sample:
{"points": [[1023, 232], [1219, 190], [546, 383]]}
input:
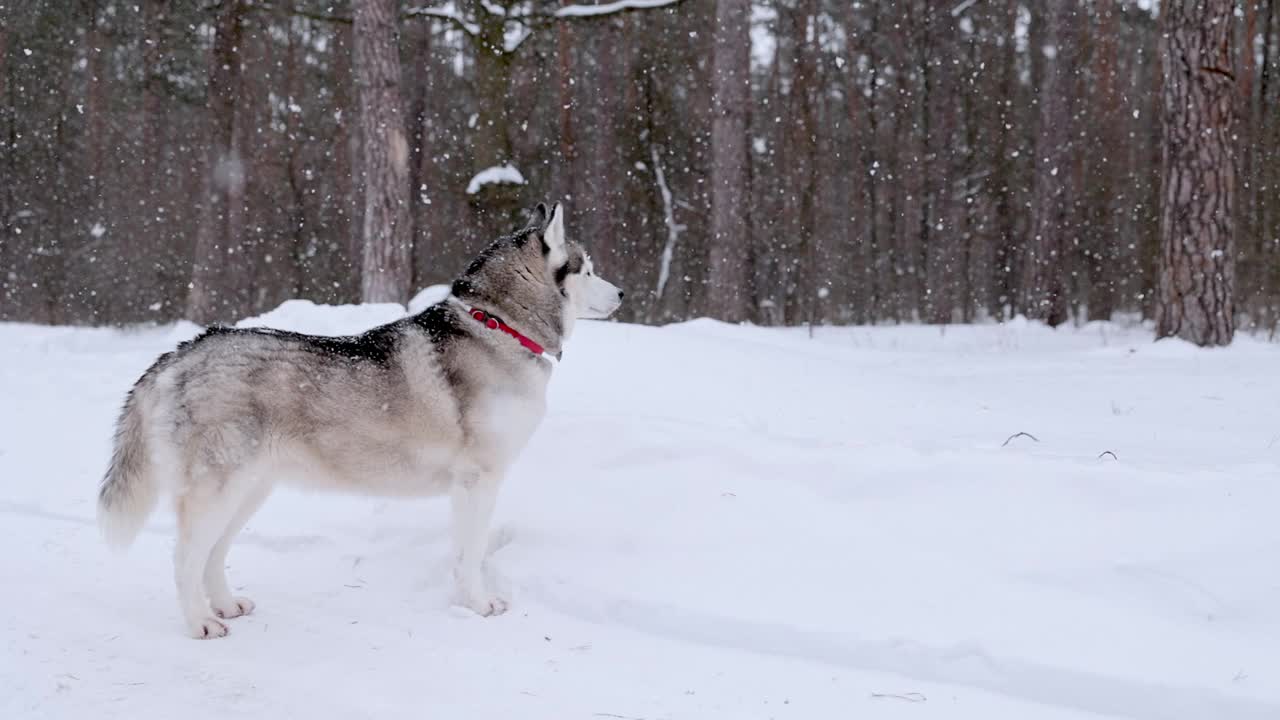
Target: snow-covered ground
{"points": [[714, 522]]}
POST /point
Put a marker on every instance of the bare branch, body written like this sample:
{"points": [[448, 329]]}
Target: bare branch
{"points": [[580, 12], [673, 228], [295, 12], [442, 14]]}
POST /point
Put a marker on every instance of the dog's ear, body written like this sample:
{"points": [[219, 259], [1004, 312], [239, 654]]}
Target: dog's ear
{"points": [[553, 236], [538, 216]]}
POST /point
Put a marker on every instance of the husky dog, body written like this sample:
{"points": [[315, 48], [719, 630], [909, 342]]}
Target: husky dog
{"points": [[435, 403]]}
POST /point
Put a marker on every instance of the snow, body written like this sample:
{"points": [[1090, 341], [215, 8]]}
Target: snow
{"points": [[613, 7], [713, 522], [308, 317], [494, 175], [764, 43], [427, 297], [513, 36]]}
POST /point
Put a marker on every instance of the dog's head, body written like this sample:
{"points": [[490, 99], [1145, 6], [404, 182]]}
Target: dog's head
{"points": [[539, 277], [589, 296]]}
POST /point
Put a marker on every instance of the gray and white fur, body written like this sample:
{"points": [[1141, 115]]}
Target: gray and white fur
{"points": [[432, 404]]}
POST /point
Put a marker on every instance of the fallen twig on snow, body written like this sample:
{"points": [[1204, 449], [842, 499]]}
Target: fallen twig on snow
{"points": [[1018, 435], [914, 697]]}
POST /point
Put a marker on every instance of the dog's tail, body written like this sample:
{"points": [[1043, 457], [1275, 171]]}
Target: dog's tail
{"points": [[129, 491]]}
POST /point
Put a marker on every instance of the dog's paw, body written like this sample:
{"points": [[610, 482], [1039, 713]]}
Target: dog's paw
{"points": [[232, 607], [487, 605], [208, 629]]}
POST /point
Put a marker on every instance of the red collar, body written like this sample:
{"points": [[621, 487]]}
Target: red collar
{"points": [[494, 323]]}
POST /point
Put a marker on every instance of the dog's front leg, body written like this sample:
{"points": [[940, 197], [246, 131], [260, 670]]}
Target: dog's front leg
{"points": [[474, 495]]}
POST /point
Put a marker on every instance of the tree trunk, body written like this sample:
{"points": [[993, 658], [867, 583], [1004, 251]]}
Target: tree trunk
{"points": [[909, 129], [162, 280], [94, 108], [870, 164], [387, 270], [1106, 241], [598, 206], [1197, 260], [859, 217], [217, 236], [1044, 284], [1248, 278], [727, 290], [945, 236], [421, 125], [9, 305], [1004, 298], [1268, 169], [497, 207], [291, 276], [563, 175], [348, 169]]}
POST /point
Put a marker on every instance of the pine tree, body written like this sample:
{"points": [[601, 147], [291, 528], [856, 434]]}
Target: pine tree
{"points": [[1197, 212]]}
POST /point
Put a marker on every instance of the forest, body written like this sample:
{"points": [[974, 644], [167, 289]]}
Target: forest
{"points": [[782, 162]]}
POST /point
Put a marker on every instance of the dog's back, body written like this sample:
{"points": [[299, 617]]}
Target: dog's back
{"points": [[348, 412]]}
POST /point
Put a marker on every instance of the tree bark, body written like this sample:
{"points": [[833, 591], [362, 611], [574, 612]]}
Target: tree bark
{"points": [[1197, 258], [387, 269], [727, 291]]}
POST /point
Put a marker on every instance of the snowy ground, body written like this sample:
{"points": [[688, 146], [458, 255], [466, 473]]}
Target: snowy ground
{"points": [[714, 522]]}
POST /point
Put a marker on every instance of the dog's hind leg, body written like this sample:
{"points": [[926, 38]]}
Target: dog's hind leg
{"points": [[474, 496], [204, 511], [224, 604]]}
